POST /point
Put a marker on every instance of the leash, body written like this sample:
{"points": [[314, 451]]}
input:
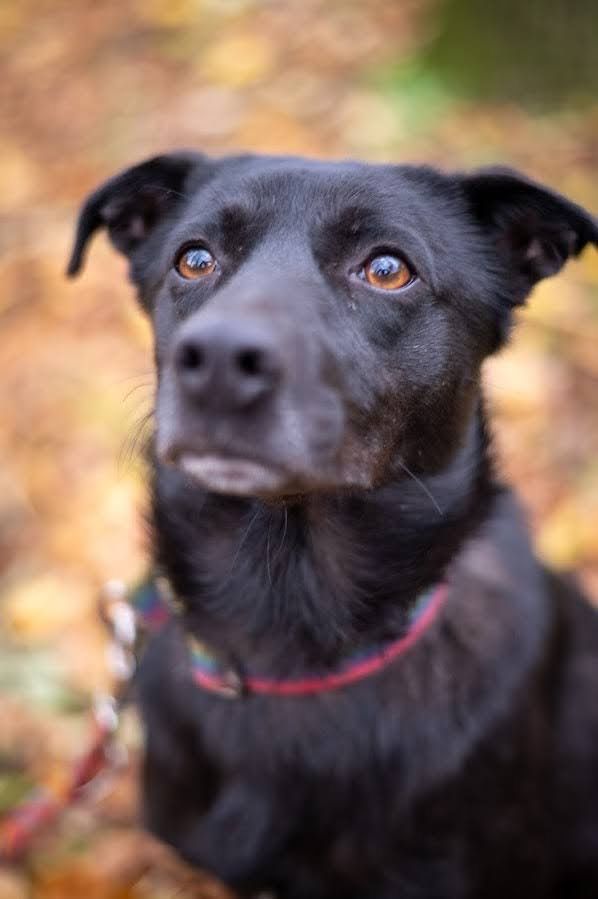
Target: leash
{"points": [[44, 805], [147, 610]]}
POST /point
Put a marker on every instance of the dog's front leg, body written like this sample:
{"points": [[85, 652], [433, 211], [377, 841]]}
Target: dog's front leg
{"points": [[239, 834]]}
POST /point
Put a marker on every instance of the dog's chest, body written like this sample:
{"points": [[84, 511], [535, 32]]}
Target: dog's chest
{"points": [[333, 734]]}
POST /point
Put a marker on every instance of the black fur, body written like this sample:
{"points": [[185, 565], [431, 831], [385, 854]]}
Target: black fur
{"points": [[469, 767]]}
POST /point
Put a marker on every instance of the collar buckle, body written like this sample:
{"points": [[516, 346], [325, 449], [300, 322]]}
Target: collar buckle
{"points": [[229, 685]]}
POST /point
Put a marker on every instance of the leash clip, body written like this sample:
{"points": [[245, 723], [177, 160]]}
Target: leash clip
{"points": [[119, 617]]}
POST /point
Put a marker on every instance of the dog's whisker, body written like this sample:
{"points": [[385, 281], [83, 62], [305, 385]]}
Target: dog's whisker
{"points": [[268, 569], [272, 557], [135, 440], [241, 544], [421, 484], [136, 389], [147, 375], [284, 531]]}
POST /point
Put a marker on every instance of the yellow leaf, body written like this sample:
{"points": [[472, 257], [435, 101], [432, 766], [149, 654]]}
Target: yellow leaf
{"points": [[38, 609], [237, 61], [569, 535], [170, 13], [19, 178]]}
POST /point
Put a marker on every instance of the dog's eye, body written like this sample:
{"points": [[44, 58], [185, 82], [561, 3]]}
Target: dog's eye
{"points": [[195, 262], [387, 272]]}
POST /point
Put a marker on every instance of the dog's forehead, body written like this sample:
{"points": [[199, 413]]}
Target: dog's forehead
{"points": [[310, 189]]}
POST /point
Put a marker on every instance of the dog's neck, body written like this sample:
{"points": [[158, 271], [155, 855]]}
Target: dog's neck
{"points": [[280, 587]]}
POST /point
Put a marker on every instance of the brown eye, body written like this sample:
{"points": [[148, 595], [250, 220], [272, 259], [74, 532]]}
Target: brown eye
{"points": [[387, 272], [195, 262]]}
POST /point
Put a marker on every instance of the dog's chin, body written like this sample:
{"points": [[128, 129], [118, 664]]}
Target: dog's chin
{"points": [[234, 476]]}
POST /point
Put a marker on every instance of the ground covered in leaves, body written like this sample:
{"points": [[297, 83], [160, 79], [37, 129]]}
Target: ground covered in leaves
{"points": [[89, 87]]}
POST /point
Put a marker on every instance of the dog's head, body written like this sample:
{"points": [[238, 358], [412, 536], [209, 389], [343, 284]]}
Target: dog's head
{"points": [[322, 325]]}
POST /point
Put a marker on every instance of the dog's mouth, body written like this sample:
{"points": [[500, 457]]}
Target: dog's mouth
{"points": [[229, 475]]}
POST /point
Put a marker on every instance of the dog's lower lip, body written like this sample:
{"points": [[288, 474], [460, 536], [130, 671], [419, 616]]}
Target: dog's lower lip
{"points": [[230, 475]]}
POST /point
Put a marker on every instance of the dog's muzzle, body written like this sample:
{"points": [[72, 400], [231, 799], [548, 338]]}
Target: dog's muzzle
{"points": [[242, 407]]}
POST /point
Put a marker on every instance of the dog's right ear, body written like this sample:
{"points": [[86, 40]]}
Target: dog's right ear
{"points": [[132, 202], [535, 229]]}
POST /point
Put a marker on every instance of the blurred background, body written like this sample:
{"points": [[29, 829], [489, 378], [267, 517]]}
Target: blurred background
{"points": [[89, 87]]}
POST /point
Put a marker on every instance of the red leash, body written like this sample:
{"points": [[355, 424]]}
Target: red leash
{"points": [[45, 803]]}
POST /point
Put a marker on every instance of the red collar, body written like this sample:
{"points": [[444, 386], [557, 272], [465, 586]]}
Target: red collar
{"points": [[153, 605]]}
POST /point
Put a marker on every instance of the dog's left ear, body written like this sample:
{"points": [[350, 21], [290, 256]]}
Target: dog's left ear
{"points": [[131, 203], [536, 228]]}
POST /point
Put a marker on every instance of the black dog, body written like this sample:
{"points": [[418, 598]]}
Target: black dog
{"points": [[414, 705]]}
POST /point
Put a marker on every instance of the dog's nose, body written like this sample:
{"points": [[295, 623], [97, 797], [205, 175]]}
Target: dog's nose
{"points": [[228, 364]]}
